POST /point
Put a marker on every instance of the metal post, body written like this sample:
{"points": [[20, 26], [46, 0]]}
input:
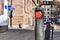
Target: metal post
{"points": [[10, 3], [35, 29], [52, 33], [39, 29], [47, 32]]}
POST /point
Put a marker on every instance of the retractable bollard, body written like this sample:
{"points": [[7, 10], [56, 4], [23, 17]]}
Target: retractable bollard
{"points": [[39, 24], [47, 32], [52, 33]]}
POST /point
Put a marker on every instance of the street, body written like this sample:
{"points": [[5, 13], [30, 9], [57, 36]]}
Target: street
{"points": [[56, 36], [23, 34], [17, 35]]}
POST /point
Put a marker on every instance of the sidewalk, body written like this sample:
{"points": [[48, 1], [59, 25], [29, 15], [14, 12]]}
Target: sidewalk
{"points": [[29, 27], [23, 34], [56, 27]]}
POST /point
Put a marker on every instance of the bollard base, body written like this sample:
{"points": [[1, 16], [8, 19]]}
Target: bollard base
{"points": [[3, 28]]}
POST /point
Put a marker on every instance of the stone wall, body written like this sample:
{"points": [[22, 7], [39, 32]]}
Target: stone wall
{"points": [[18, 12], [23, 13]]}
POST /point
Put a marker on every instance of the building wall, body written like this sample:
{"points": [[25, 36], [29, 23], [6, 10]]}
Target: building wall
{"points": [[23, 13], [48, 10], [1, 2], [28, 11], [18, 12]]}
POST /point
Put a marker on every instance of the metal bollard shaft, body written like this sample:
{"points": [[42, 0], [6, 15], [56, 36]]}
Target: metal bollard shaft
{"points": [[39, 30]]}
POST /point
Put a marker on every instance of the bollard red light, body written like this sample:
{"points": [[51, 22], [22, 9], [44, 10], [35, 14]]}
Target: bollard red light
{"points": [[38, 14]]}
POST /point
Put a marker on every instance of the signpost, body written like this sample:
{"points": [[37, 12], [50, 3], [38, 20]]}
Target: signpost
{"points": [[10, 8]]}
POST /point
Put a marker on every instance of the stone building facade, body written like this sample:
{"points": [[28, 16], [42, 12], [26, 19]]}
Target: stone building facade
{"points": [[23, 13]]}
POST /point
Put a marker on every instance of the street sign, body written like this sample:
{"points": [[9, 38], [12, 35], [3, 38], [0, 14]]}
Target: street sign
{"points": [[9, 7]]}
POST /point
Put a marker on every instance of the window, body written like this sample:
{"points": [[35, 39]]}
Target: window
{"points": [[51, 6], [48, 2], [48, 12], [58, 13], [44, 16], [45, 20], [45, 2], [48, 9], [48, 16], [51, 12]]}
